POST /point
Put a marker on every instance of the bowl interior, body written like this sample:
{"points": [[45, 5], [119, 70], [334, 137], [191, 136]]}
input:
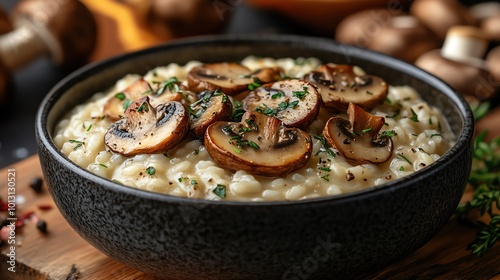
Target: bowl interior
{"points": [[82, 84]]}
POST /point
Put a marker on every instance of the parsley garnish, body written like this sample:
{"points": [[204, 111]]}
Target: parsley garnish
{"points": [[414, 116], [325, 147], [326, 177], [150, 171], [326, 169], [255, 84], [194, 182], [389, 133], [220, 191], [300, 94], [238, 111], [78, 144], [143, 108], [366, 130], [436, 134], [170, 84], [120, 96], [405, 158], [126, 104]]}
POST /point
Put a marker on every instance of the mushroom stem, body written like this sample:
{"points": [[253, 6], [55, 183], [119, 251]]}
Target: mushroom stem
{"points": [[466, 44], [21, 46]]}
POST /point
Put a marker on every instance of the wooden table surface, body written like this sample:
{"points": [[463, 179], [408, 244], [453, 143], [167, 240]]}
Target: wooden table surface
{"points": [[62, 254]]}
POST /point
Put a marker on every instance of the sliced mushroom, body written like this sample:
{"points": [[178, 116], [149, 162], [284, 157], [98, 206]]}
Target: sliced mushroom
{"points": [[148, 130], [259, 145], [296, 103], [232, 78], [339, 85], [269, 74], [212, 106], [165, 91], [357, 139]]}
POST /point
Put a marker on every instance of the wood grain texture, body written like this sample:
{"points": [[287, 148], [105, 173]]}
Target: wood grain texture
{"points": [[63, 254]]}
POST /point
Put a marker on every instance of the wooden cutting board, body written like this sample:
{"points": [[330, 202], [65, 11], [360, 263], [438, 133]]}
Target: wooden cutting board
{"points": [[62, 254]]}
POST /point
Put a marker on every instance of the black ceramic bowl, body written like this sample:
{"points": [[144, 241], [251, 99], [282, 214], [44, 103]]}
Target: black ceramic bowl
{"points": [[345, 236]]}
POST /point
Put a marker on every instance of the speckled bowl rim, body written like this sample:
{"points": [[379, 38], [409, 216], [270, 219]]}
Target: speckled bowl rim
{"points": [[464, 138]]}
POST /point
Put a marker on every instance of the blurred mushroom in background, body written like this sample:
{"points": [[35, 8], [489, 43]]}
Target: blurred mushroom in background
{"points": [[186, 17], [460, 63], [488, 16], [397, 34]]}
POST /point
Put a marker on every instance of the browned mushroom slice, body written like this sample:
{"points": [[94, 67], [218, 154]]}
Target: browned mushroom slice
{"points": [[296, 103], [148, 130], [269, 74], [357, 139], [339, 85], [259, 145], [212, 106], [161, 92], [117, 104], [232, 78]]}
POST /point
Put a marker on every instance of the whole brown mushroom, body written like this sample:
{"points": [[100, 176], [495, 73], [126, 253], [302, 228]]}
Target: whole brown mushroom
{"points": [[396, 34], [441, 15], [460, 63], [187, 17], [493, 62], [488, 16], [64, 30]]}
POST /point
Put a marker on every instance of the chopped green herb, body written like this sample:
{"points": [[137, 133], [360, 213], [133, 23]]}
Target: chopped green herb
{"points": [[388, 101], [120, 96], [394, 115], [405, 158], [196, 151], [414, 116], [147, 92], [220, 191], [255, 84], [436, 134], [103, 165], [90, 126], [366, 130], [170, 84], [325, 169], [389, 133], [224, 98], [116, 181], [143, 107], [401, 168], [253, 145], [371, 93], [238, 111], [276, 95], [325, 147], [150, 171], [78, 144], [126, 104], [326, 177], [300, 94], [352, 85], [194, 182], [430, 120], [238, 151]]}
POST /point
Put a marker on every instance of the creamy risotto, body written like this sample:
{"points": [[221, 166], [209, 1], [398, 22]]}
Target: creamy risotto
{"points": [[418, 132]]}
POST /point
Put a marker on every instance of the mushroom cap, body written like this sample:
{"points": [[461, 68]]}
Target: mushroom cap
{"points": [[213, 106], [493, 62], [339, 85], [469, 80], [357, 139], [399, 35], [405, 38], [230, 77], [187, 17], [295, 102], [161, 93], [491, 27], [67, 27], [441, 15], [260, 145], [148, 130]]}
